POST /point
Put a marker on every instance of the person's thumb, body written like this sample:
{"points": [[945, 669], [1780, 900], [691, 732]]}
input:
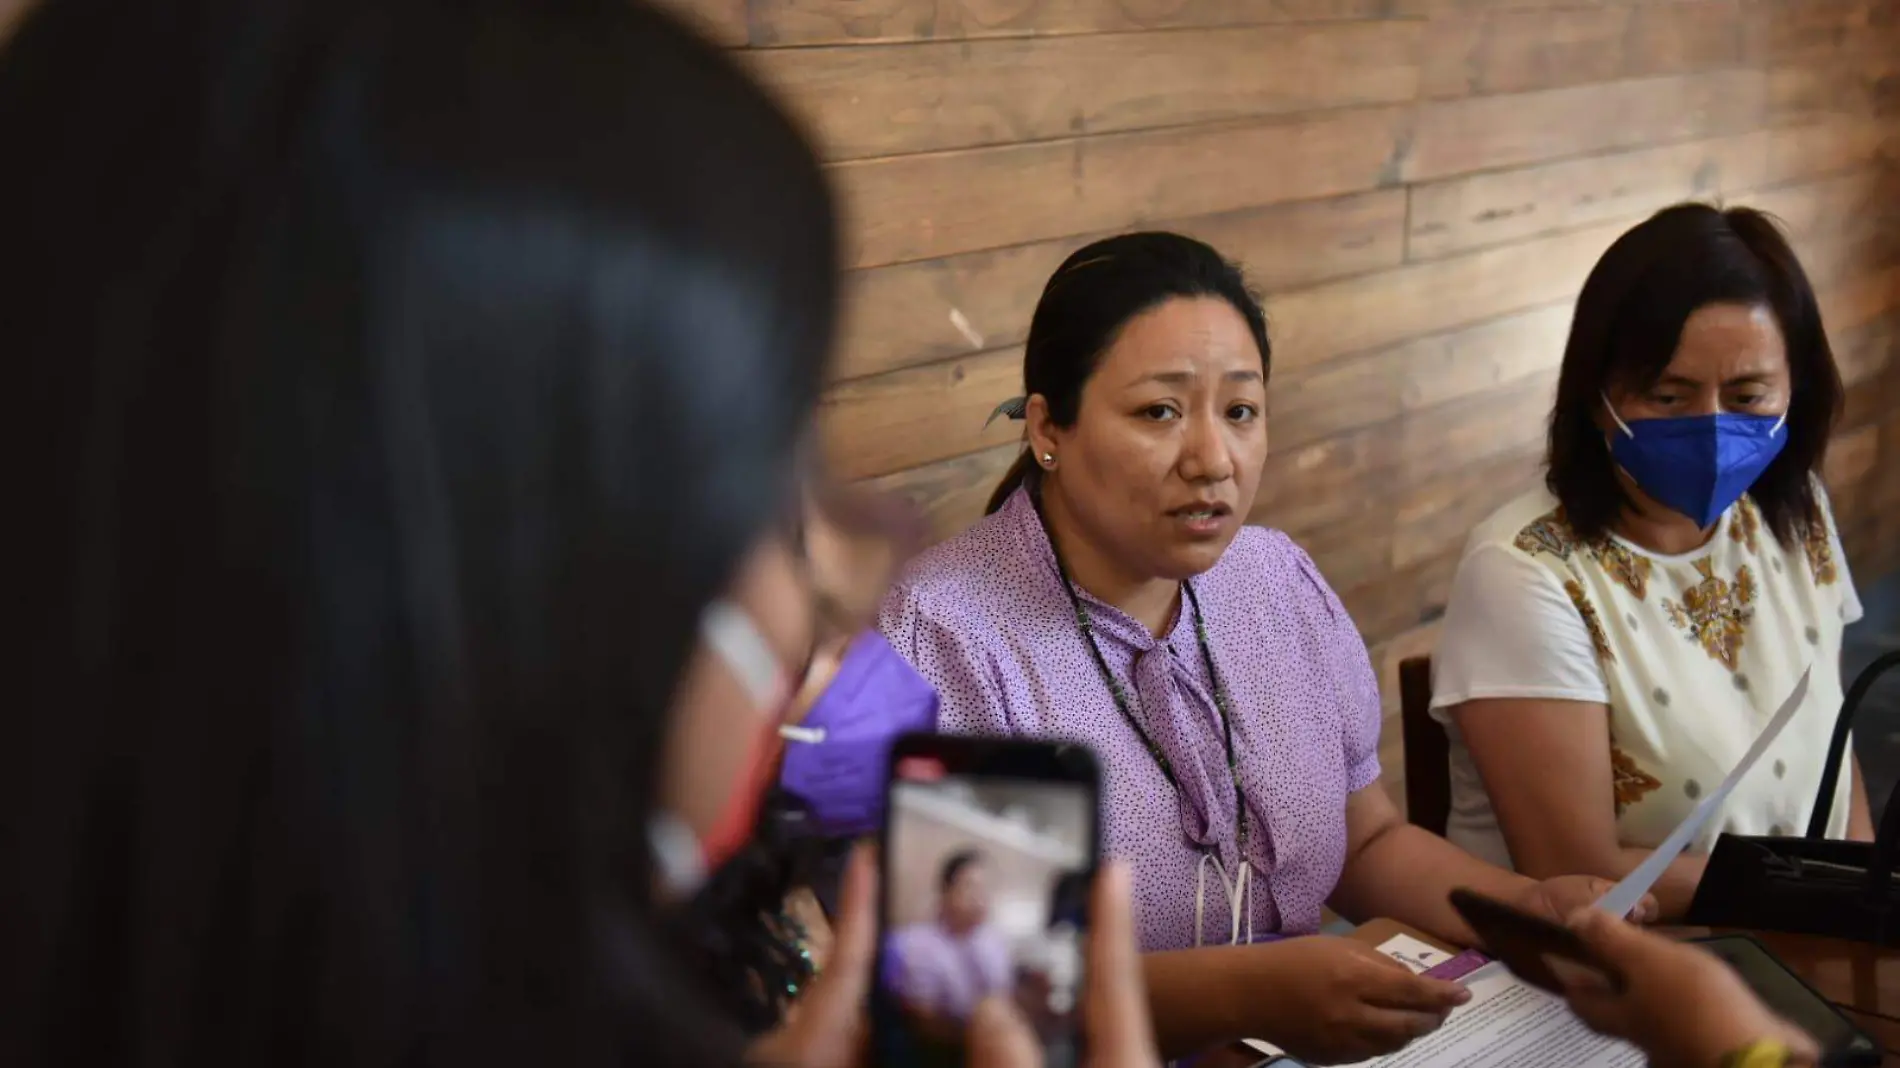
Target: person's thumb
{"points": [[1610, 936], [826, 1026], [1115, 1003], [847, 975], [998, 1037]]}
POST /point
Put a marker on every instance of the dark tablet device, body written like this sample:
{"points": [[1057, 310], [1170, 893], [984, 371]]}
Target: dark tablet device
{"points": [[1522, 941], [1797, 1002]]}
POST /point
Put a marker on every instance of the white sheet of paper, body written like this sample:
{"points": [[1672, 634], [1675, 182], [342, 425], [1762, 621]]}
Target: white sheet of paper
{"points": [[1625, 894], [1511, 1024], [1506, 1024]]}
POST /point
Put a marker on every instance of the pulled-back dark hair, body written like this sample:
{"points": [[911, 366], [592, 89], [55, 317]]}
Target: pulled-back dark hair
{"points": [[1097, 291], [953, 866], [1628, 322], [394, 386]]}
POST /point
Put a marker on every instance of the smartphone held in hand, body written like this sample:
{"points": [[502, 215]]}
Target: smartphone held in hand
{"points": [[1526, 943], [989, 851]]}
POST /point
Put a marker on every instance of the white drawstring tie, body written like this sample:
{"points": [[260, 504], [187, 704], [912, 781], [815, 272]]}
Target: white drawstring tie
{"points": [[1239, 898]]}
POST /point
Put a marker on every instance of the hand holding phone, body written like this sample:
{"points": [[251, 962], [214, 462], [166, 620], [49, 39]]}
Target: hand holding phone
{"points": [[827, 1030], [989, 849], [1116, 1027], [1679, 1004], [1527, 943]]}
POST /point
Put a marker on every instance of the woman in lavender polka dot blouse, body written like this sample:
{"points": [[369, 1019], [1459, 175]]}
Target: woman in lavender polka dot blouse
{"points": [[1113, 597]]}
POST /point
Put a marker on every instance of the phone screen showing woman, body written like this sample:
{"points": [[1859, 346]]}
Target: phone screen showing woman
{"points": [[986, 885]]}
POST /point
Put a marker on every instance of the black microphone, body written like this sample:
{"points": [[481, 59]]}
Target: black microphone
{"points": [[1837, 749]]}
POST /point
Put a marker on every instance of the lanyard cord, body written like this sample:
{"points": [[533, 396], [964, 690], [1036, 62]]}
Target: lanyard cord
{"points": [[1125, 704]]}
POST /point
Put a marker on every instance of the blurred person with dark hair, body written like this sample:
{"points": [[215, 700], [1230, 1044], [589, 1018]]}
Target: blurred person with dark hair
{"points": [[1616, 640], [406, 394], [944, 967]]}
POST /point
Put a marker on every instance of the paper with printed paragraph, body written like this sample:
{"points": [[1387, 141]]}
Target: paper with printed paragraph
{"points": [[1506, 1024], [1624, 895], [1510, 1024]]}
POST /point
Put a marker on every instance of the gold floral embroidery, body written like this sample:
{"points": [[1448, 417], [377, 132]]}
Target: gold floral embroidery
{"points": [[1549, 533], [1821, 554], [1745, 527], [1715, 613], [1632, 782], [1590, 621], [1629, 570]]}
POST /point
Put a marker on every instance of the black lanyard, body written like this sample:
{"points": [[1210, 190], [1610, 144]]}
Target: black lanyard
{"points": [[1126, 705]]}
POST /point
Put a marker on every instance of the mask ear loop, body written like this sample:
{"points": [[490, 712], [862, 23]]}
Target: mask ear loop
{"points": [[730, 632], [1621, 425], [677, 855], [807, 735], [1779, 423]]}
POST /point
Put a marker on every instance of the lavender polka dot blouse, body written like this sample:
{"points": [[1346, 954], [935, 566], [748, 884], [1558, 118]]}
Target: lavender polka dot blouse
{"points": [[984, 617]]}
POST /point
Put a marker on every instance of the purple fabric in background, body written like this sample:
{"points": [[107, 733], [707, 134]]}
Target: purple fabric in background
{"points": [[984, 617], [873, 699]]}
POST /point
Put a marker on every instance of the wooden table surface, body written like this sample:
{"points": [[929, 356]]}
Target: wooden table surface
{"points": [[1866, 978]]}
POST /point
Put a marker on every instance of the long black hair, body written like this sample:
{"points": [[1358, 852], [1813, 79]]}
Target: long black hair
{"points": [[1628, 323], [394, 383], [1096, 292]]}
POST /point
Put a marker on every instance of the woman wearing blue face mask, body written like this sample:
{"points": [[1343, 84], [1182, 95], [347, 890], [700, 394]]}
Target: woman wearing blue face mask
{"points": [[1615, 641]]}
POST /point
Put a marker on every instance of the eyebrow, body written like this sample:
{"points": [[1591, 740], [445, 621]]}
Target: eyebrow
{"points": [[1183, 378], [1741, 379]]}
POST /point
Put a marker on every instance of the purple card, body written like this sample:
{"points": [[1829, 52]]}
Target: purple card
{"points": [[1459, 966]]}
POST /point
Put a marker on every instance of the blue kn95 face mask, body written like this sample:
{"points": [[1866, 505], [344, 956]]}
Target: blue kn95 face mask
{"points": [[1697, 464]]}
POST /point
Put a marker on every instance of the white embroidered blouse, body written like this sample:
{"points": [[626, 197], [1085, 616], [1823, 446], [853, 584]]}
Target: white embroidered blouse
{"points": [[1692, 653]]}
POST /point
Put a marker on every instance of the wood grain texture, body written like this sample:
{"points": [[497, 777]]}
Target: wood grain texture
{"points": [[1811, 150], [805, 22], [901, 315], [1821, 210], [1867, 351], [950, 493], [1512, 50], [1408, 597], [883, 423], [1388, 307], [1820, 32], [959, 94], [1479, 133], [1850, 456], [1862, 86], [1501, 206], [1437, 512], [939, 204]]}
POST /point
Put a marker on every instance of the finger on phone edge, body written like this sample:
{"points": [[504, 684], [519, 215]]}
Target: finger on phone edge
{"points": [[847, 974], [1116, 999]]}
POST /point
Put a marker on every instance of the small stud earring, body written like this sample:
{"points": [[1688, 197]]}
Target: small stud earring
{"points": [[1049, 459]]}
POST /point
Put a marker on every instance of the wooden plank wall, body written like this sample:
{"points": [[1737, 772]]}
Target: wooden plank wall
{"points": [[1419, 187]]}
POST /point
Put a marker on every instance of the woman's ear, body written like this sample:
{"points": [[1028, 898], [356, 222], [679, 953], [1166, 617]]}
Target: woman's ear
{"points": [[1041, 432]]}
